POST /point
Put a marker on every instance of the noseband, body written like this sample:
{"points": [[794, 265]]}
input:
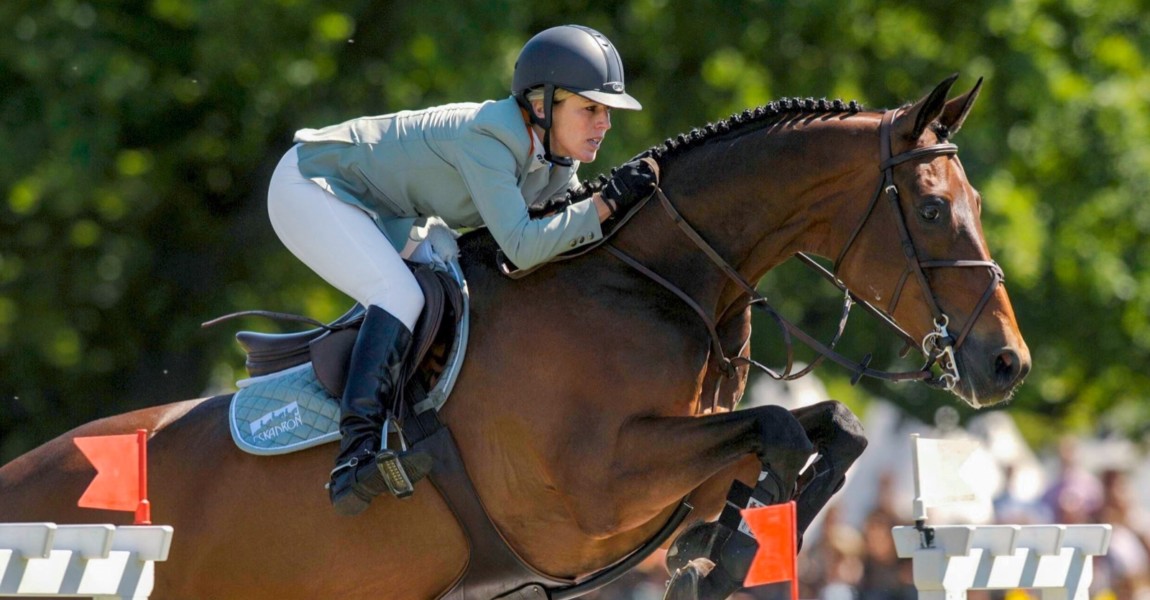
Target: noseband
{"points": [[938, 346]]}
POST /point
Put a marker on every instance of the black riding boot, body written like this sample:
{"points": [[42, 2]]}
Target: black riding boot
{"points": [[376, 362]]}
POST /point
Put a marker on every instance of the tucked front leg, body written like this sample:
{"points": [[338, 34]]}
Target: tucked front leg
{"points": [[839, 439], [709, 561], [657, 460]]}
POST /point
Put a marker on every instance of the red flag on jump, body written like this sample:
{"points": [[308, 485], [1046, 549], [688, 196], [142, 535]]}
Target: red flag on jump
{"points": [[121, 481], [775, 530]]}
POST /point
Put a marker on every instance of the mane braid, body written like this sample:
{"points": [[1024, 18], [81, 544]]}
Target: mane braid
{"points": [[750, 118], [738, 122]]}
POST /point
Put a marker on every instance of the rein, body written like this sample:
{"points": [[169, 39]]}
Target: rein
{"points": [[938, 346]]}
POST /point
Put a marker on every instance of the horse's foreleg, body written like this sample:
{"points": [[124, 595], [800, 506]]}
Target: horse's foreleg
{"points": [[659, 459], [839, 440]]}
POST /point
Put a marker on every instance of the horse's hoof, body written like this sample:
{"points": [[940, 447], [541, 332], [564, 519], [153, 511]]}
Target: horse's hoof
{"points": [[700, 540], [684, 582]]}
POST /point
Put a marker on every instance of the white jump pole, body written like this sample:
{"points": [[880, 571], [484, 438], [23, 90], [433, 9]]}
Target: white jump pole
{"points": [[85, 561], [1055, 560], [949, 560]]}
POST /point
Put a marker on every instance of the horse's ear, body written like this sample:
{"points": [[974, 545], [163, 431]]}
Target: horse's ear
{"points": [[923, 112], [956, 110]]}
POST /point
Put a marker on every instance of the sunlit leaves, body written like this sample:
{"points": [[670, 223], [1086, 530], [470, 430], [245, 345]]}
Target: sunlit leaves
{"points": [[180, 13], [24, 197], [334, 27], [1016, 228], [84, 233], [133, 162], [747, 83]]}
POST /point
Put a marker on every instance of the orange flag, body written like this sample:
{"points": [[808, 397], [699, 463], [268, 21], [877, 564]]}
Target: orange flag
{"points": [[121, 480], [775, 530]]}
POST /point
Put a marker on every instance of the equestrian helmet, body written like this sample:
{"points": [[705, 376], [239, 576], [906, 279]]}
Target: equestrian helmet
{"points": [[576, 58]]}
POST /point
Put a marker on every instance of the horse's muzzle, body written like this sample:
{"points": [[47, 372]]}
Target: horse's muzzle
{"points": [[989, 377]]}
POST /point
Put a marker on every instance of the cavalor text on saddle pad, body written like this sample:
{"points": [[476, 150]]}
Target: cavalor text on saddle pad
{"points": [[283, 412]]}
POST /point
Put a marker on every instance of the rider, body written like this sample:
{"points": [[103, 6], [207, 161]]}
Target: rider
{"points": [[339, 189]]}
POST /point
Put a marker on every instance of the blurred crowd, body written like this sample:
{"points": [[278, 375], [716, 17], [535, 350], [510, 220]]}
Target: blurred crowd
{"points": [[847, 562]]}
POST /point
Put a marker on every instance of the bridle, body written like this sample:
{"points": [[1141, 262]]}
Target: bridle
{"points": [[939, 346]]}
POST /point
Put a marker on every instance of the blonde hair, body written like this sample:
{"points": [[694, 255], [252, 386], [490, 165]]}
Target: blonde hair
{"points": [[536, 93]]}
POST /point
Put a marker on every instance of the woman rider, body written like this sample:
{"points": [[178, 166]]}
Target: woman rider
{"points": [[339, 188]]}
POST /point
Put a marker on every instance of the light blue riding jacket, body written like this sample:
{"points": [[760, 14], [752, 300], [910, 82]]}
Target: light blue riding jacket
{"points": [[469, 164]]}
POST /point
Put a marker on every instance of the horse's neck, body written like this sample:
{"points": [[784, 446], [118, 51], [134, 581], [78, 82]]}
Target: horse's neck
{"points": [[776, 192]]}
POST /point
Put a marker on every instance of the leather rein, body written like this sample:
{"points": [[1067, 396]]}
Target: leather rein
{"points": [[939, 346]]}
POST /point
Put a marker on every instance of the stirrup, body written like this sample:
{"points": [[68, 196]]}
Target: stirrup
{"points": [[388, 461], [394, 475]]}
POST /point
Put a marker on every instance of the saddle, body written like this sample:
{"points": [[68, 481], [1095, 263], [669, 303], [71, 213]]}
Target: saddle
{"points": [[328, 348]]}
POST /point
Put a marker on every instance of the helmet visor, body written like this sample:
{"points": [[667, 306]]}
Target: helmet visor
{"points": [[618, 100]]}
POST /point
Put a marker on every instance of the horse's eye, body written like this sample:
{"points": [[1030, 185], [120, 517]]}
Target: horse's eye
{"points": [[930, 211]]}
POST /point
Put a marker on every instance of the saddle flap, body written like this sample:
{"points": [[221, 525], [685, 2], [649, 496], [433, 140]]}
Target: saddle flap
{"points": [[441, 298], [330, 354], [274, 352], [269, 353]]}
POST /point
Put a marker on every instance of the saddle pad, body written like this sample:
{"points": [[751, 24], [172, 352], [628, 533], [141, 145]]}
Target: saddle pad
{"points": [[283, 412]]}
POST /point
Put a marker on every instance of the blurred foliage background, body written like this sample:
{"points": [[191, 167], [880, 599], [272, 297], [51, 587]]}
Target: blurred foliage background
{"points": [[139, 135]]}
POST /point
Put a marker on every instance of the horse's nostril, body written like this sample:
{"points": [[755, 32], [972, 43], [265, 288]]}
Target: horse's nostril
{"points": [[1009, 368]]}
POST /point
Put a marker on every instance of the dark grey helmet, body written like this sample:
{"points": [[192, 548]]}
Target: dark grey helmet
{"points": [[576, 58]]}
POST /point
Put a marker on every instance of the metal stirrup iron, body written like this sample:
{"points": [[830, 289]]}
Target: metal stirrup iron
{"points": [[389, 465]]}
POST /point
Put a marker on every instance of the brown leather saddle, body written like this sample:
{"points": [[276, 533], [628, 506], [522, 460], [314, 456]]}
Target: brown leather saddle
{"points": [[329, 346]]}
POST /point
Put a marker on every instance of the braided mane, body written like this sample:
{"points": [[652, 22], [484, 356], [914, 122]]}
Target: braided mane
{"points": [[749, 119], [736, 124]]}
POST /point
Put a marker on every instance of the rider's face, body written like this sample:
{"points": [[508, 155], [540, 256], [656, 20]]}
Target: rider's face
{"points": [[578, 126]]}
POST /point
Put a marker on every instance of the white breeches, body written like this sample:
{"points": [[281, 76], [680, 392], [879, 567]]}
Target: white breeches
{"points": [[341, 243]]}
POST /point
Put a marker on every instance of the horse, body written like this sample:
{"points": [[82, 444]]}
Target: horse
{"points": [[585, 413]]}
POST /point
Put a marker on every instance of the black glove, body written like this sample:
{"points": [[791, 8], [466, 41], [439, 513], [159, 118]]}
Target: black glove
{"points": [[558, 204], [629, 184]]}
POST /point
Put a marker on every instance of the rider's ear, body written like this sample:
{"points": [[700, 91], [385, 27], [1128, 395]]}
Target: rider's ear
{"points": [[923, 112], [956, 110]]}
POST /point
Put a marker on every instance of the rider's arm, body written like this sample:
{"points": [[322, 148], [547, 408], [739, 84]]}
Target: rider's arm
{"points": [[488, 168]]}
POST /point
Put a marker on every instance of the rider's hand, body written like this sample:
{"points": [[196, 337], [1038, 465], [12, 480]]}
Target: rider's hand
{"points": [[629, 184]]}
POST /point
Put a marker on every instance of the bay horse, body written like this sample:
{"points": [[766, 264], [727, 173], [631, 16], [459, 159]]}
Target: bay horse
{"points": [[582, 413]]}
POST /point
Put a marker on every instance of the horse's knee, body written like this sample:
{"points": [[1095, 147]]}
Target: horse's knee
{"points": [[783, 437], [838, 435], [784, 449], [832, 426]]}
